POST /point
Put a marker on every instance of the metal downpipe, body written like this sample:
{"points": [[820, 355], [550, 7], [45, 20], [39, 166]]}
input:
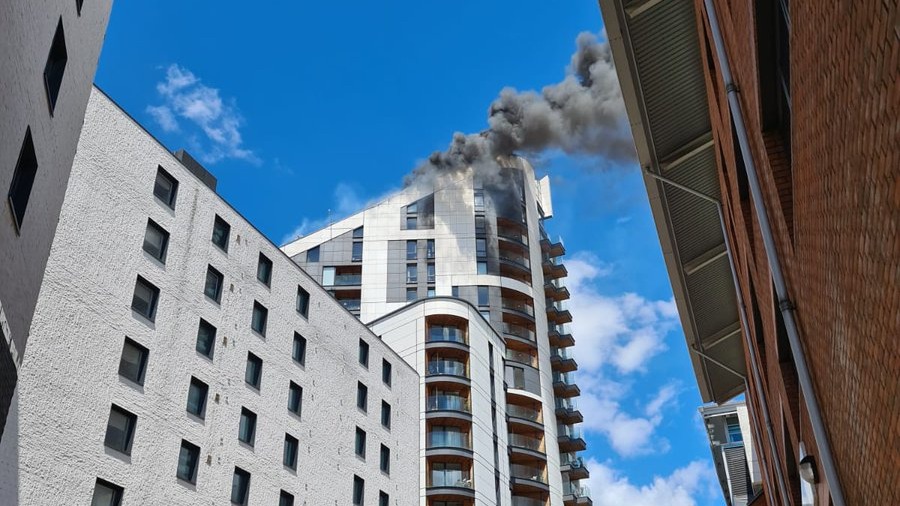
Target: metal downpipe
{"points": [[784, 303]]}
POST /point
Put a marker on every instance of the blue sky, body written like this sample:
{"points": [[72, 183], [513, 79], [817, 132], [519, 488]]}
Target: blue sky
{"points": [[300, 108]]}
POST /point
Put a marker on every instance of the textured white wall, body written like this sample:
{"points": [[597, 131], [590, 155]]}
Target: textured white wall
{"points": [[69, 377]]}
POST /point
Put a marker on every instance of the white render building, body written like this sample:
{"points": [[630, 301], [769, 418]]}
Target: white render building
{"points": [[48, 56], [458, 275], [176, 356], [731, 444]]}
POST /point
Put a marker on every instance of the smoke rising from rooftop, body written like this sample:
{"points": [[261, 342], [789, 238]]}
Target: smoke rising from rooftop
{"points": [[583, 114]]}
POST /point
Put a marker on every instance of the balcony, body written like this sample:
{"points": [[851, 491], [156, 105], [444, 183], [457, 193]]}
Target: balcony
{"points": [[515, 234], [449, 484], [521, 357], [570, 439], [556, 290], [446, 336], [347, 279], [558, 312], [574, 465], [553, 268], [526, 478], [528, 501], [559, 335], [550, 248], [351, 305], [564, 385], [448, 443], [519, 333], [567, 411], [561, 360], [523, 446], [576, 495], [448, 406], [524, 416], [518, 307], [446, 371]]}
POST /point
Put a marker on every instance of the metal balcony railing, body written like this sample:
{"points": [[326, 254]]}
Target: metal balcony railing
{"points": [[447, 367], [445, 402], [528, 472], [524, 412]]}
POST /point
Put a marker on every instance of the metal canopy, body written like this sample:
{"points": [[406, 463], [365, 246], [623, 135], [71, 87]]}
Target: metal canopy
{"points": [[656, 49]]}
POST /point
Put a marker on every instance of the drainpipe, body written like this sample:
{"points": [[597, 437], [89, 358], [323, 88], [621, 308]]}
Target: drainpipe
{"points": [[784, 302], [754, 365]]}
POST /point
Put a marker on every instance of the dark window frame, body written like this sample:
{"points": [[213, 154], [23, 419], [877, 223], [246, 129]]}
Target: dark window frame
{"points": [[362, 397], [196, 384], [312, 257], [153, 304], [130, 428], [264, 269], [291, 453], [222, 242], [363, 353], [251, 420], [240, 485], [144, 356], [298, 349], [22, 181], [193, 452], [302, 302], [55, 68], [205, 326], [295, 396], [164, 174], [359, 490], [263, 311], [387, 370], [117, 491], [164, 247], [385, 415], [254, 367], [360, 443], [384, 460], [220, 279]]}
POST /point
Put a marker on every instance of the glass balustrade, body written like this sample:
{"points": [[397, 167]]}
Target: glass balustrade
{"points": [[517, 305], [446, 333], [567, 404], [516, 259], [569, 431], [561, 328], [518, 331], [575, 489], [347, 279], [528, 472], [350, 304], [527, 501], [529, 442], [521, 357], [450, 478], [448, 402], [513, 234], [567, 378], [524, 412], [447, 367], [562, 353], [449, 439], [570, 459]]}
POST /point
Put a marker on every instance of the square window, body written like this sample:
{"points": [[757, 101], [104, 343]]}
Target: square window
{"points": [[359, 486], [358, 233], [253, 373], [364, 353], [240, 486], [360, 446], [362, 396], [264, 270], [133, 363], [298, 352], [412, 273], [120, 430], [411, 250], [411, 294], [357, 254], [165, 187], [196, 401], [56, 66], [312, 255], [386, 415], [23, 179], [156, 241], [484, 297], [295, 398], [213, 287], [386, 372], [481, 267], [247, 429], [430, 292], [429, 248], [412, 222], [188, 458], [385, 460], [285, 499], [383, 499], [260, 315], [106, 494], [206, 338], [302, 302], [146, 297], [221, 231], [430, 273], [290, 451]]}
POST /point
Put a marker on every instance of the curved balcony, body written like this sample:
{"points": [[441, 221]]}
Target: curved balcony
{"points": [[570, 439], [515, 266], [559, 335], [567, 411], [574, 465], [576, 495], [451, 484], [447, 371], [448, 443], [561, 360], [518, 307], [518, 500], [448, 406], [564, 385], [524, 416], [446, 337], [519, 333], [523, 446], [512, 233], [521, 357], [525, 478]]}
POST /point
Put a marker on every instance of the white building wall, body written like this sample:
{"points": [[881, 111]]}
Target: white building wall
{"points": [[69, 377]]}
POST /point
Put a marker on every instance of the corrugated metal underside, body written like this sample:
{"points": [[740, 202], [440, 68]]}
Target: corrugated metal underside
{"points": [[666, 62]]}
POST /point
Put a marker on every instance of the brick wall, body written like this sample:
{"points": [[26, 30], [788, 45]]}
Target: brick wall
{"points": [[836, 217]]}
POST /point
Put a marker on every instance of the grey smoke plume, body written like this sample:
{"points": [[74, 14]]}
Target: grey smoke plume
{"points": [[583, 114]]}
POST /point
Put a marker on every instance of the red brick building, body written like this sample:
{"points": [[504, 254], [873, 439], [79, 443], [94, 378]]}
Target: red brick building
{"points": [[812, 132]]}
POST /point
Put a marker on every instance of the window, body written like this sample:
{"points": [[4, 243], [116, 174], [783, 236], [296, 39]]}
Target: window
{"points": [[133, 362], [146, 297], [383, 499], [196, 401], [480, 227], [206, 338], [430, 292], [295, 398], [479, 200], [106, 494], [359, 486], [56, 66], [385, 460], [23, 179], [486, 315], [328, 274], [285, 499], [412, 273], [358, 233], [364, 353], [298, 352], [481, 247], [429, 248], [188, 458], [156, 241], [165, 188], [253, 373], [411, 250], [357, 254], [362, 397], [290, 451], [386, 415], [302, 302], [481, 267], [240, 486], [774, 50], [412, 222], [264, 270], [360, 447], [247, 429], [430, 273], [454, 291], [734, 431], [312, 255], [213, 287], [386, 372], [412, 208], [411, 294], [78, 4], [221, 231], [120, 430], [484, 297], [258, 321]]}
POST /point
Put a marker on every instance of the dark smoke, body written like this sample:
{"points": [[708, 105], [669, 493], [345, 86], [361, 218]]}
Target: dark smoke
{"points": [[583, 114]]}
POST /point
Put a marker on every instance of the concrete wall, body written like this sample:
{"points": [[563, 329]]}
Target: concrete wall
{"points": [[69, 377], [27, 28]]}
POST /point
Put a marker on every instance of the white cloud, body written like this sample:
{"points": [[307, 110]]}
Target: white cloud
{"points": [[347, 201], [681, 488], [186, 98]]}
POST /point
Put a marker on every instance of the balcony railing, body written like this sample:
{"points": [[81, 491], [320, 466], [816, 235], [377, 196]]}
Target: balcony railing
{"points": [[347, 279], [570, 459], [447, 439], [562, 353], [459, 479], [559, 305], [516, 259], [527, 501], [569, 431], [447, 367], [350, 304], [560, 328], [444, 402], [448, 334], [567, 378], [524, 412], [513, 234], [528, 472], [518, 331], [521, 357], [517, 305], [573, 488], [528, 442], [567, 404]]}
